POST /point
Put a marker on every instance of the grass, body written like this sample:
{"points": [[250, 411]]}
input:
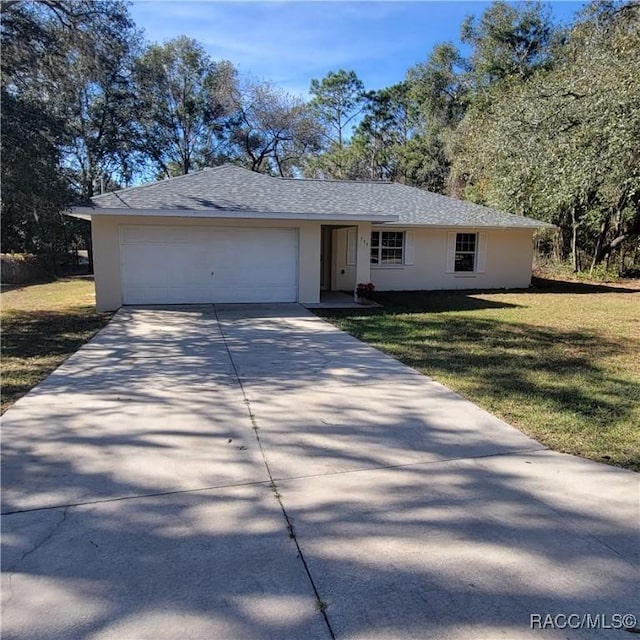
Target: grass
{"points": [[560, 361], [42, 325]]}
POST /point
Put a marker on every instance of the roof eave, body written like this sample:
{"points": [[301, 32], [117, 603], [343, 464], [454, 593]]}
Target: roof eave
{"points": [[469, 225], [86, 213]]}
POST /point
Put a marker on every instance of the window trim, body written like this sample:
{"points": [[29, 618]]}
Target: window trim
{"points": [[466, 252], [482, 248], [388, 265]]}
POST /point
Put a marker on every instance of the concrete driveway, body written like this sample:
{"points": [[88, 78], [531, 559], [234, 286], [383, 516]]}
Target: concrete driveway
{"points": [[252, 472]]}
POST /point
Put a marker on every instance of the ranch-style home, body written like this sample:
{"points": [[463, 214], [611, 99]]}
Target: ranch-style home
{"points": [[230, 235]]}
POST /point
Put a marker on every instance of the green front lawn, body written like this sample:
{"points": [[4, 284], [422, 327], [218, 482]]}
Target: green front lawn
{"points": [[561, 361], [42, 325]]}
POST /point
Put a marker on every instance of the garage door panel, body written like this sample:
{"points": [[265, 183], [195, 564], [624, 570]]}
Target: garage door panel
{"points": [[144, 267], [143, 294], [249, 294], [131, 234], [175, 265], [165, 265], [189, 266]]}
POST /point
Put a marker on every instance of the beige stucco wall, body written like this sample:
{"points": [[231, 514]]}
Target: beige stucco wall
{"points": [[508, 262], [106, 252], [106, 263], [508, 259]]}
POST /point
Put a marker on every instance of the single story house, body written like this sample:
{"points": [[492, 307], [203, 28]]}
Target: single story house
{"points": [[226, 234]]}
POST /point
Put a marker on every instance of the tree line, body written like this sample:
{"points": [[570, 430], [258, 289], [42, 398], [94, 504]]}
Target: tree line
{"points": [[536, 119]]}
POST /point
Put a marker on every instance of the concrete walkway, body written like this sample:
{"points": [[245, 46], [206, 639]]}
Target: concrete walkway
{"points": [[252, 472]]}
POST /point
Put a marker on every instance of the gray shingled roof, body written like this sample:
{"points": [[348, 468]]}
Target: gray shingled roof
{"points": [[237, 190]]}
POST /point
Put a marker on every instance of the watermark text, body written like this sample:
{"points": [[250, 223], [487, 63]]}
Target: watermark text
{"points": [[583, 621]]}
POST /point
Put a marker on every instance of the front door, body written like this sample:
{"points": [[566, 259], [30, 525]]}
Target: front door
{"points": [[325, 259]]}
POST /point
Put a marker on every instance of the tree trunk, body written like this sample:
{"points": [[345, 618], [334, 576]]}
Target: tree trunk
{"points": [[597, 252], [574, 241], [559, 246]]}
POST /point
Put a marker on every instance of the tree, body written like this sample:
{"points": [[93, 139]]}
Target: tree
{"points": [[272, 131], [562, 145], [439, 96], [62, 123], [95, 98], [34, 192], [184, 101], [440, 88], [382, 133], [338, 100], [508, 40], [74, 58]]}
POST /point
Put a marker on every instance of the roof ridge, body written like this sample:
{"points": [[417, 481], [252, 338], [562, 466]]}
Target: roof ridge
{"points": [[351, 181]]}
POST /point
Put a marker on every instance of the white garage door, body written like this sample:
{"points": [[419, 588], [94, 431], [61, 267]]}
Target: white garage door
{"points": [[171, 265]]}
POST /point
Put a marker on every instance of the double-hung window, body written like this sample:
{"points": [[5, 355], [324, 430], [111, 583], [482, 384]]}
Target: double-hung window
{"points": [[466, 246], [387, 247]]}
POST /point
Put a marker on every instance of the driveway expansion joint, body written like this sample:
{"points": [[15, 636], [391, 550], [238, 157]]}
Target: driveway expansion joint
{"points": [[320, 603], [272, 481], [419, 463], [142, 496]]}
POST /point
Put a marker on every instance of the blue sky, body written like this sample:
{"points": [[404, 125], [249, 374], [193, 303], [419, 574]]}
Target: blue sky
{"points": [[289, 42]]}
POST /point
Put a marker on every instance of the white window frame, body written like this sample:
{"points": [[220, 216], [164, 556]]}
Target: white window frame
{"points": [[466, 252], [480, 254], [403, 248]]}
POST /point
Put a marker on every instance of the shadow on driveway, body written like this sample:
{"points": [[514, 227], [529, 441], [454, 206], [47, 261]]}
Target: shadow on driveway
{"points": [[141, 506]]}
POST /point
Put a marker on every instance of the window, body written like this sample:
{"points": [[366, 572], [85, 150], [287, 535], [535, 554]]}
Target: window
{"points": [[387, 247], [465, 259]]}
